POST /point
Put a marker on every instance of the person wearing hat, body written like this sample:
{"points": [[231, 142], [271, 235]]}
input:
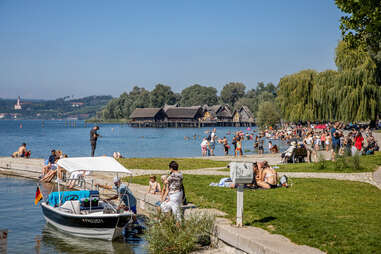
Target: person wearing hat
{"points": [[288, 153], [129, 201]]}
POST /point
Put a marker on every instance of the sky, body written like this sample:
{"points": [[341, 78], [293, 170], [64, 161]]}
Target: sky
{"points": [[51, 49]]}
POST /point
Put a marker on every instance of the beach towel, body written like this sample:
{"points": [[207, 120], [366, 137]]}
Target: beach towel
{"points": [[53, 198]]}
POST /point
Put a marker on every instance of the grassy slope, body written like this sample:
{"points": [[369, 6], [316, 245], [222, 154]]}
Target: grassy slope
{"points": [[335, 216], [162, 163]]}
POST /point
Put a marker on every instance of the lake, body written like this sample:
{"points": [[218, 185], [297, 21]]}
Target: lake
{"points": [[28, 232], [43, 136]]}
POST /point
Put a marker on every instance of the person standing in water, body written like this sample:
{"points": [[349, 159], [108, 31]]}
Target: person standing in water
{"points": [[93, 139]]}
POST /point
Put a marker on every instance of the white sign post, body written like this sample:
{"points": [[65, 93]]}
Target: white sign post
{"points": [[241, 173]]}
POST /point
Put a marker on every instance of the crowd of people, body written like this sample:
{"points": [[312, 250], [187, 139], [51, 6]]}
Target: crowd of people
{"points": [[332, 138], [335, 138]]}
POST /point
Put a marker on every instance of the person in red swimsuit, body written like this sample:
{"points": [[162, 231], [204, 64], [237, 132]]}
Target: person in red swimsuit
{"points": [[358, 141]]}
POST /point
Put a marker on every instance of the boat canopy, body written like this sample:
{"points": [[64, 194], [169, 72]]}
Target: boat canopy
{"points": [[93, 164]]}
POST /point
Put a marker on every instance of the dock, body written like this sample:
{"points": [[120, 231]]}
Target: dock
{"points": [[187, 124]]}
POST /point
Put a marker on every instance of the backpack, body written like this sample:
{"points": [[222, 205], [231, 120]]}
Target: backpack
{"points": [[283, 181]]}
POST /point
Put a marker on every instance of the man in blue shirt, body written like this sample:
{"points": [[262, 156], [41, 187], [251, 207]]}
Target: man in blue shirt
{"points": [[125, 194]]}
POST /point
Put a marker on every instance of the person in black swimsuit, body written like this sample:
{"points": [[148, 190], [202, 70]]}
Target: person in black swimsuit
{"points": [[93, 139]]}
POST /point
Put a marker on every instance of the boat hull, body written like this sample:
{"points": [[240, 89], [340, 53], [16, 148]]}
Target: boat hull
{"points": [[105, 226]]}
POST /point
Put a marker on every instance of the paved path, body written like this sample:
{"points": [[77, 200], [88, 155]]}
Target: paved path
{"points": [[377, 177]]}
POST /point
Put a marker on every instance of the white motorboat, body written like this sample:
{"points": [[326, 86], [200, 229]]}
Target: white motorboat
{"points": [[83, 213]]}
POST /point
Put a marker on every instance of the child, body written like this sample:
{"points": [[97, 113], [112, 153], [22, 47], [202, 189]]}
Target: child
{"points": [[204, 146], [238, 150], [154, 187], [260, 147]]}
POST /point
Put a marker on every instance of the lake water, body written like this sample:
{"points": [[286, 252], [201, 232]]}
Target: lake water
{"points": [[28, 232], [43, 136]]}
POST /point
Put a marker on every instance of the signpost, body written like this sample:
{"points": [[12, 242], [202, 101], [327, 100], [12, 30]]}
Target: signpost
{"points": [[241, 173]]}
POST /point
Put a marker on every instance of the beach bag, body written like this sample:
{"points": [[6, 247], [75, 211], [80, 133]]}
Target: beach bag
{"points": [[283, 181]]}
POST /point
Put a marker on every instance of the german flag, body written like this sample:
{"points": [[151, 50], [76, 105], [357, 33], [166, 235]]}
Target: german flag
{"points": [[38, 196]]}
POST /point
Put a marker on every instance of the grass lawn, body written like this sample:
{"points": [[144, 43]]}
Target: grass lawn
{"points": [[162, 163], [334, 216], [377, 131], [367, 164]]}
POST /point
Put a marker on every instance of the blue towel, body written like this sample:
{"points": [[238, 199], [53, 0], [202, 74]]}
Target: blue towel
{"points": [[53, 199]]}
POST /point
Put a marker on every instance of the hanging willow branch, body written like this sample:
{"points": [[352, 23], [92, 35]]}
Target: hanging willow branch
{"points": [[349, 94]]}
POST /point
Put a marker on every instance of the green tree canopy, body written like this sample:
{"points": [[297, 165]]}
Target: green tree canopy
{"points": [[362, 26], [232, 92], [161, 95], [295, 96], [356, 88], [268, 114], [198, 95]]}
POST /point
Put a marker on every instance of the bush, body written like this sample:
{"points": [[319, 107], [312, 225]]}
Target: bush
{"points": [[164, 235], [322, 163], [356, 161], [341, 163]]}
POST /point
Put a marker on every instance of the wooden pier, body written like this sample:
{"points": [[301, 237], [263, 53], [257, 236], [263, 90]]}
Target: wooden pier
{"points": [[187, 124]]}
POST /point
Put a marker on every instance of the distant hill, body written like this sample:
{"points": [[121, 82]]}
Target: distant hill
{"points": [[61, 108]]}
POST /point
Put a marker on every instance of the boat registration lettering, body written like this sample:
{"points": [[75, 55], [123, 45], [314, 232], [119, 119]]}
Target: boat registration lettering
{"points": [[92, 220]]}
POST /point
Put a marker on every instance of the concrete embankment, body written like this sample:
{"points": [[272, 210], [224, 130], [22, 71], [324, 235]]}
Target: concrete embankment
{"points": [[234, 240]]}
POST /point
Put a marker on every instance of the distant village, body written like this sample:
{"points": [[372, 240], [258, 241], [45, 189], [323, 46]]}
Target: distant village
{"points": [[195, 116], [62, 108]]}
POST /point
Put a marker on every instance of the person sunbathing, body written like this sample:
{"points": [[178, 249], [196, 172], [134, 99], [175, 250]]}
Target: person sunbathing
{"points": [[266, 176], [21, 152]]}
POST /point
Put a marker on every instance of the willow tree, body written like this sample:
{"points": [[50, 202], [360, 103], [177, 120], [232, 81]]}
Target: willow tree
{"points": [[324, 96], [295, 96], [356, 89]]}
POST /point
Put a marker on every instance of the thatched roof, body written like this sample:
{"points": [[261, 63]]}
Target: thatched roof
{"points": [[214, 109], [145, 112], [183, 112], [248, 111]]}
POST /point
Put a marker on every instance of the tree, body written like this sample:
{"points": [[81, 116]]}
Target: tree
{"points": [[251, 103], [232, 92], [268, 114], [356, 88], [295, 96], [198, 95], [362, 28], [324, 96], [161, 95]]}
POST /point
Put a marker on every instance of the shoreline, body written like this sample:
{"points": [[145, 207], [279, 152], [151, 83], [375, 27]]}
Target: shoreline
{"points": [[247, 239]]}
